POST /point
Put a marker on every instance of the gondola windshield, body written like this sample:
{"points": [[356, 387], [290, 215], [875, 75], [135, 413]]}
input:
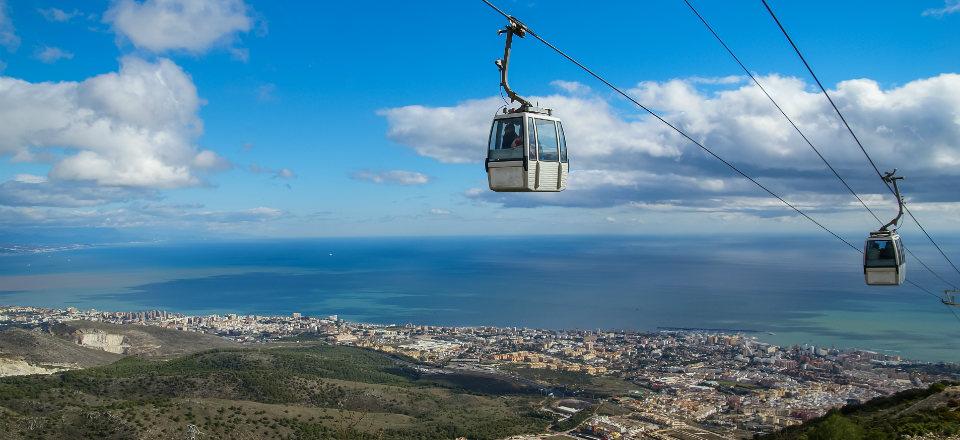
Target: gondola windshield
{"points": [[506, 139], [880, 253]]}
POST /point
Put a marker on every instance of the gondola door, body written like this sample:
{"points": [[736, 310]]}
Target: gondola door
{"points": [[564, 168], [548, 155]]}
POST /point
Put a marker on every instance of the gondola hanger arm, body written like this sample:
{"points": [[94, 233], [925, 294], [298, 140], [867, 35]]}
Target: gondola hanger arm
{"points": [[514, 27], [892, 178]]}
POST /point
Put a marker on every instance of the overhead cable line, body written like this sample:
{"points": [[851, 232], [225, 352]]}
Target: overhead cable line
{"points": [[679, 131], [800, 132], [674, 127], [850, 129]]}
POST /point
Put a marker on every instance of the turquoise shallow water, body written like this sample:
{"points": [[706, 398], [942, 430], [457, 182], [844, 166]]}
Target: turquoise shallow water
{"points": [[788, 289]]}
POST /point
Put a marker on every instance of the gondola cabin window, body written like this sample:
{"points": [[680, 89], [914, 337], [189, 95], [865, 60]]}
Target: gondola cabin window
{"points": [[532, 153], [881, 253], [563, 143], [547, 140], [507, 139]]}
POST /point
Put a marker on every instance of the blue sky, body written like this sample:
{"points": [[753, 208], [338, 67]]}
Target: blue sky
{"points": [[256, 118]]}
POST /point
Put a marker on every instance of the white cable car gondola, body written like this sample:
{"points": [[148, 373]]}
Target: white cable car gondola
{"points": [[527, 148], [950, 298], [884, 262]]}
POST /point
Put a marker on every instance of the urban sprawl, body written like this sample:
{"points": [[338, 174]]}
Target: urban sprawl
{"points": [[680, 383]]}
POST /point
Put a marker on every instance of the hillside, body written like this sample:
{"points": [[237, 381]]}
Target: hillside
{"points": [[83, 344], [41, 348], [306, 393], [931, 412], [148, 341]]}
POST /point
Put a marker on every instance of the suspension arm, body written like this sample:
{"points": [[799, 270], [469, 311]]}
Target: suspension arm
{"points": [[890, 177], [515, 27]]}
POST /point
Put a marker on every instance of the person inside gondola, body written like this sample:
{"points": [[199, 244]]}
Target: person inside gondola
{"points": [[881, 253], [510, 138], [887, 253]]}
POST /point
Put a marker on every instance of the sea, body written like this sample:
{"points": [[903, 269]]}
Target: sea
{"points": [[781, 289]]}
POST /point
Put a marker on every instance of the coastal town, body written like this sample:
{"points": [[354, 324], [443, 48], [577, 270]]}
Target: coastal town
{"points": [[669, 384]]}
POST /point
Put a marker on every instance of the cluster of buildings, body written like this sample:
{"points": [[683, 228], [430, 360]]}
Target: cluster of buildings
{"points": [[675, 384]]}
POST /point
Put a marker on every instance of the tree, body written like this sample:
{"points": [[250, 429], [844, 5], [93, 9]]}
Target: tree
{"points": [[836, 427]]}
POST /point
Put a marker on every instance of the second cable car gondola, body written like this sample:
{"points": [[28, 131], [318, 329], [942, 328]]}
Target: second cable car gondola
{"points": [[527, 149], [884, 261], [950, 298]]}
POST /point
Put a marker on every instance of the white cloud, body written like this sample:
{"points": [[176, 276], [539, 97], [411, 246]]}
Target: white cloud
{"points": [[449, 134], [572, 87], [730, 79], [132, 128], [190, 25], [949, 7], [619, 157], [192, 214], [398, 177], [51, 55], [258, 214], [439, 211], [30, 190], [458, 134], [208, 160], [143, 215], [29, 178], [59, 15], [8, 35]]}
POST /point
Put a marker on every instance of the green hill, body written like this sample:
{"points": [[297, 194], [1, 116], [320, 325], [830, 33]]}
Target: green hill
{"points": [[914, 412], [320, 392]]}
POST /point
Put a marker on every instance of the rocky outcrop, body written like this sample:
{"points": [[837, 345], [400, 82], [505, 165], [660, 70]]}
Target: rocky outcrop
{"points": [[100, 340], [20, 367]]}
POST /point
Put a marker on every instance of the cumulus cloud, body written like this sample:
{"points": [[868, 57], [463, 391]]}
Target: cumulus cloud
{"points": [[458, 134], [189, 25], [132, 128], [427, 129], [8, 35], [949, 7], [50, 55], [620, 156], [397, 177]]}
